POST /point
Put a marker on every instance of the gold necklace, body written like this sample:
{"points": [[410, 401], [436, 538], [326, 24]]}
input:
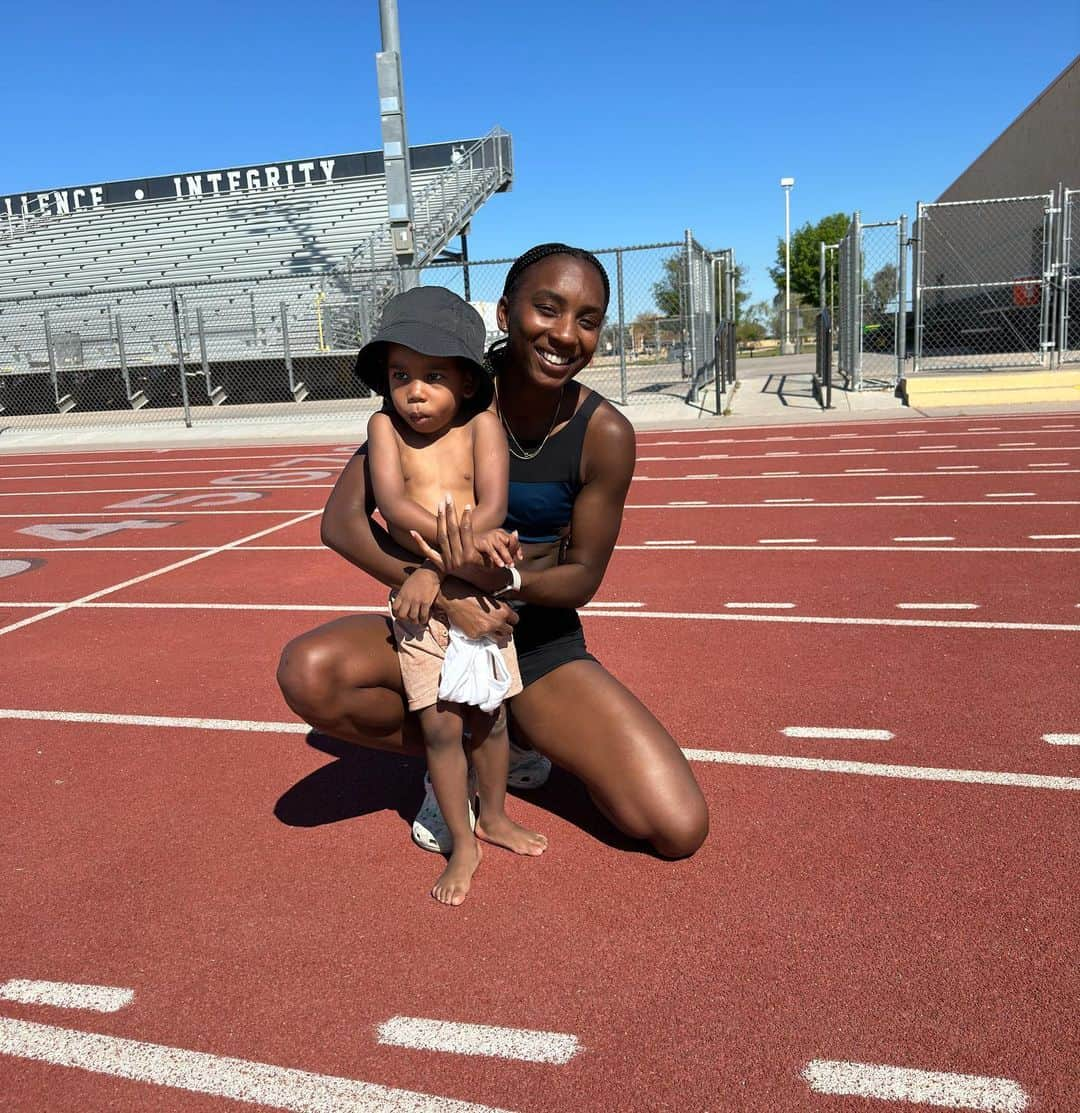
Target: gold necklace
{"points": [[513, 444]]}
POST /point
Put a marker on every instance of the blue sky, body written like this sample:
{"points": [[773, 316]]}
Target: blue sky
{"points": [[631, 121]]}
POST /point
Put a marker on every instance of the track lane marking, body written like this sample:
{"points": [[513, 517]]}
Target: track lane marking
{"points": [[1054, 536], [909, 1084], [1010, 494], [937, 606], [1062, 739], [67, 995], [723, 757], [202, 1073], [762, 606], [523, 1044], [924, 538], [157, 572], [854, 733], [787, 540]]}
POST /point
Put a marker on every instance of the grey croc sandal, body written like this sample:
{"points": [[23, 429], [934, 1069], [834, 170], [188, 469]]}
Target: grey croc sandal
{"points": [[528, 768], [429, 830]]}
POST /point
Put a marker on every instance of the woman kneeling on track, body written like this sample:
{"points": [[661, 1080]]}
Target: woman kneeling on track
{"points": [[571, 460]]}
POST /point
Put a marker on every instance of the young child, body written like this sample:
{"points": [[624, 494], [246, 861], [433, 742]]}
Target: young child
{"points": [[435, 441]]}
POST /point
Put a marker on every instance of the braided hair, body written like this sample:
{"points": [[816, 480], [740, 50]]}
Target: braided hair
{"points": [[522, 263], [542, 251]]}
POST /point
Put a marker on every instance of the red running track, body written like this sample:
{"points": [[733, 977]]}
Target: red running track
{"points": [[259, 894]]}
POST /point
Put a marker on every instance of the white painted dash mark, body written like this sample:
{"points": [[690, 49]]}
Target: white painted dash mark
{"points": [[479, 1039], [66, 995], [1062, 739], [866, 471], [924, 538], [787, 540], [1010, 494], [613, 606], [937, 606], [1048, 465], [839, 732], [761, 606], [200, 1073], [940, 1088], [788, 500], [894, 498], [1054, 536], [957, 467], [1017, 444], [688, 541]]}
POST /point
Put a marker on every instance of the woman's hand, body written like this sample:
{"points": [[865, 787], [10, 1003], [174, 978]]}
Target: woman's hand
{"points": [[456, 553], [412, 601], [476, 616]]}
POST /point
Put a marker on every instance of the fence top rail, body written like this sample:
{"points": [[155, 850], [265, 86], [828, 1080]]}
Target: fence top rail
{"points": [[458, 264], [924, 205], [1032, 281], [882, 224]]}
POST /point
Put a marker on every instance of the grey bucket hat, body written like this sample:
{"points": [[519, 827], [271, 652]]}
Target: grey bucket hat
{"points": [[433, 321]]}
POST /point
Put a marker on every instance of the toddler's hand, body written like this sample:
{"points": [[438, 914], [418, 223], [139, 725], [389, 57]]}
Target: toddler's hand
{"points": [[498, 548], [412, 601]]}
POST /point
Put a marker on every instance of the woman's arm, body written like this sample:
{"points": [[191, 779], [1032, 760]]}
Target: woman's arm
{"points": [[348, 529], [388, 482], [607, 466]]}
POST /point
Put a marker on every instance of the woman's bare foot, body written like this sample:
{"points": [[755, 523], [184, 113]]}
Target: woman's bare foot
{"points": [[454, 882], [503, 831]]}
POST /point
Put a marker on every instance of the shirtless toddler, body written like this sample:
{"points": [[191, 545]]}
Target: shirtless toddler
{"points": [[435, 442]]}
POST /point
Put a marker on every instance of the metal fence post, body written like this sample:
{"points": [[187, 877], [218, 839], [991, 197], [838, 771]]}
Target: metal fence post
{"points": [[1046, 294], [901, 286], [688, 316], [917, 239], [1064, 265], [622, 327], [821, 275], [180, 356], [858, 280]]}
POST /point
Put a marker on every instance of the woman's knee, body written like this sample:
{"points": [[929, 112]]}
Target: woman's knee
{"points": [[680, 834], [305, 674]]}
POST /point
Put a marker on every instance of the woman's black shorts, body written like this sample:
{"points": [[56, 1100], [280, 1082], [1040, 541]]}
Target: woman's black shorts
{"points": [[547, 637]]}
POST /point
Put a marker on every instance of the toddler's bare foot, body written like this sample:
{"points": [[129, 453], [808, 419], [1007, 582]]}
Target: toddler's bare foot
{"points": [[453, 885], [503, 831]]}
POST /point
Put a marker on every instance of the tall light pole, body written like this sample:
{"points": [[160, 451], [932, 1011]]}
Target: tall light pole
{"points": [[786, 348]]}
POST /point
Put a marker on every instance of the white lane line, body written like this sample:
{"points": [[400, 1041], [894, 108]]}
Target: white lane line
{"points": [[479, 1039], [1059, 426], [940, 1088], [787, 500], [1010, 494], [787, 540], [867, 471], [839, 732], [201, 1073], [1062, 739], [67, 995], [895, 498], [879, 769], [985, 429], [780, 761], [855, 451], [937, 606], [840, 436], [935, 447], [713, 475], [612, 606], [1062, 465], [924, 538], [964, 467], [690, 502], [762, 606], [1054, 536], [1016, 444], [779, 474], [683, 541], [157, 572], [781, 454]]}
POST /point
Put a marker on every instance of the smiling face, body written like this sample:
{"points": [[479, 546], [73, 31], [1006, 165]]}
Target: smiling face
{"points": [[426, 391], [552, 319]]}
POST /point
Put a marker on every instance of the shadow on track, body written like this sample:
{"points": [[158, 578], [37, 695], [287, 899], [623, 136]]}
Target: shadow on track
{"points": [[361, 782]]}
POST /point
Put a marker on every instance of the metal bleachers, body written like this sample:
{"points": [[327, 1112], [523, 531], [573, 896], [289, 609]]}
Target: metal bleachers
{"points": [[254, 275]]}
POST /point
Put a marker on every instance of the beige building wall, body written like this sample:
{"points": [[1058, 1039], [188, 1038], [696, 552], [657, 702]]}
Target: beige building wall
{"points": [[1038, 150]]}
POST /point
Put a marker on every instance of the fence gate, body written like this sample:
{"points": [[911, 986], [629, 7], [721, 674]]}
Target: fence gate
{"points": [[1068, 322], [983, 284], [872, 316]]}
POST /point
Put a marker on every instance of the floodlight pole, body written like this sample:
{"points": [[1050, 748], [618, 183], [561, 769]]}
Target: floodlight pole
{"points": [[786, 348], [396, 168]]}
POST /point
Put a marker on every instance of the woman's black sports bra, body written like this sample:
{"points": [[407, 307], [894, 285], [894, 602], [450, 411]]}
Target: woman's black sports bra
{"points": [[543, 489]]}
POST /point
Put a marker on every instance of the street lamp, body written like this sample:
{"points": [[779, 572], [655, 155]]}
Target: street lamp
{"points": [[786, 348]]}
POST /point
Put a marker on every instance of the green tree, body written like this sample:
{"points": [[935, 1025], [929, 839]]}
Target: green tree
{"points": [[668, 292], [806, 256], [882, 289]]}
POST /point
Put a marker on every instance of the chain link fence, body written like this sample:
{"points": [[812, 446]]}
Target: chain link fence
{"points": [[983, 284], [871, 318], [1068, 322], [251, 348]]}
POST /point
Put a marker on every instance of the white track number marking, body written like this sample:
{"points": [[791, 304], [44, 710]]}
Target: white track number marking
{"points": [[88, 531], [276, 476], [171, 498], [16, 567]]}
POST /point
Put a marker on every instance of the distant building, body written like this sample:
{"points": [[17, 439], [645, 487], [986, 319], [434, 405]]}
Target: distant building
{"points": [[1039, 149]]}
